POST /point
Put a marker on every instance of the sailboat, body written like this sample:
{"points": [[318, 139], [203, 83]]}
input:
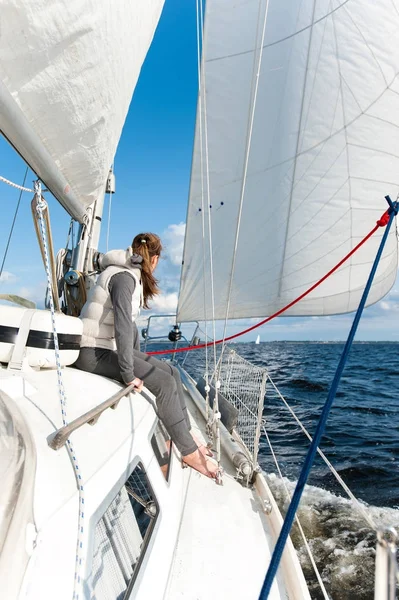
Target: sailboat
{"points": [[257, 341], [94, 500]]}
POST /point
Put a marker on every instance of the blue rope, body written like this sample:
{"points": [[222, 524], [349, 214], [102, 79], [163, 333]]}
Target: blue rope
{"points": [[286, 528]]}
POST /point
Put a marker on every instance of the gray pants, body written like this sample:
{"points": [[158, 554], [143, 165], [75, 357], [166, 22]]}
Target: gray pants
{"points": [[161, 378]]}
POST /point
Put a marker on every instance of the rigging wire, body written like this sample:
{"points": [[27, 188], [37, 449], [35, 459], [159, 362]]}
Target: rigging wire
{"points": [[203, 104], [109, 211], [203, 89], [200, 126], [21, 189], [369, 520], [305, 541], [251, 118]]}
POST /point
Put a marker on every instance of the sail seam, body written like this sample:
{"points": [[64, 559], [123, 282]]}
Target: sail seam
{"points": [[324, 140], [346, 144], [367, 45], [297, 146], [314, 81], [288, 37]]}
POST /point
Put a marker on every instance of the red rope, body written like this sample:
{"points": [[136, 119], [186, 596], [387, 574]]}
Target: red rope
{"points": [[382, 222]]}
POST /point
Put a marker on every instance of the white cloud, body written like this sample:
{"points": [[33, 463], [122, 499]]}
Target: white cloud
{"points": [[173, 239], [164, 303], [8, 277], [35, 293], [388, 305], [385, 305]]}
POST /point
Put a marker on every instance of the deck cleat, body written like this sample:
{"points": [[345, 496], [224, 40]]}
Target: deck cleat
{"points": [[219, 476]]}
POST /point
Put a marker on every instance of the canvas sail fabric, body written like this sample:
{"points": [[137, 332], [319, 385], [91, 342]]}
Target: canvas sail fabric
{"points": [[323, 155], [70, 68]]}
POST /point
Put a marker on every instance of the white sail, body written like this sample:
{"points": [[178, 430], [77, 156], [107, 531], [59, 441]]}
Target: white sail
{"points": [[322, 155], [69, 70]]}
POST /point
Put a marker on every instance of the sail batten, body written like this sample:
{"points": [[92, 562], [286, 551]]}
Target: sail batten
{"points": [[322, 156], [70, 68]]}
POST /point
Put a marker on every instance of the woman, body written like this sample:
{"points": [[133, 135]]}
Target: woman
{"points": [[110, 342]]}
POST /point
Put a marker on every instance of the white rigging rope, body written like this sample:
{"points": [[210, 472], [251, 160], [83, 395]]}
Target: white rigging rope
{"points": [[251, 118], [79, 561], [199, 45], [202, 104], [305, 541], [208, 195], [15, 185]]}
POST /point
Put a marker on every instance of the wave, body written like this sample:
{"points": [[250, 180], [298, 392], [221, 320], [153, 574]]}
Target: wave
{"points": [[373, 410], [342, 543], [308, 384]]}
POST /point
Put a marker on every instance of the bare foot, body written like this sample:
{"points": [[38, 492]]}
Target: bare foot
{"points": [[205, 451], [197, 461]]}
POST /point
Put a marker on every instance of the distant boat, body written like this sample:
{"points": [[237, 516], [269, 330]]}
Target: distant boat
{"points": [[257, 341]]}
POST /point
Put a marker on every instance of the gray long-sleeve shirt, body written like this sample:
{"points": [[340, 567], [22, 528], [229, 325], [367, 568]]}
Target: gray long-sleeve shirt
{"points": [[121, 288]]}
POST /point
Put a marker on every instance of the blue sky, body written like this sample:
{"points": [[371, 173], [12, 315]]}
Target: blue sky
{"points": [[152, 167]]}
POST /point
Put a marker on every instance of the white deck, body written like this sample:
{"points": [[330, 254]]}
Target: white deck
{"points": [[210, 541], [223, 548], [225, 540]]}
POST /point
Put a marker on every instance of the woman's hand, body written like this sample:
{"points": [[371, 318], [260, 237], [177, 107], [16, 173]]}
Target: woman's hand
{"points": [[138, 384]]}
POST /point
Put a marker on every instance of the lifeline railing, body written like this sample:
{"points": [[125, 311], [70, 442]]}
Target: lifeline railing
{"points": [[194, 340]]}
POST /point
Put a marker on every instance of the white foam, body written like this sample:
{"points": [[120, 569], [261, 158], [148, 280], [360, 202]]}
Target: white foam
{"points": [[342, 542]]}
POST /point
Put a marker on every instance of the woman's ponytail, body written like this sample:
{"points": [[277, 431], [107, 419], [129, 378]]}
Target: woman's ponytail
{"points": [[147, 245]]}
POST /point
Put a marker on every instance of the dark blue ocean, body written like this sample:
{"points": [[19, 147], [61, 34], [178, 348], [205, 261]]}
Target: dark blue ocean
{"points": [[361, 441]]}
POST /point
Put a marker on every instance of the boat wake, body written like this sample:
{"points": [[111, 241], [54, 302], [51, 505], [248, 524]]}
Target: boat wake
{"points": [[342, 543]]}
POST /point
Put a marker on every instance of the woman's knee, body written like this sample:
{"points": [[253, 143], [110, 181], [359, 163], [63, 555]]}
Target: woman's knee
{"points": [[162, 384], [175, 372]]}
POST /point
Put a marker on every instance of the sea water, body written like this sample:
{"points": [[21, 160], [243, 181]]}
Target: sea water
{"points": [[361, 441]]}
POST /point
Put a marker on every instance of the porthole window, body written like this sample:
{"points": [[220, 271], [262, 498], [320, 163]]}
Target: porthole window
{"points": [[162, 444], [121, 538]]}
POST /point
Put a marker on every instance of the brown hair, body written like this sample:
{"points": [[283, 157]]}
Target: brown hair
{"points": [[147, 245]]}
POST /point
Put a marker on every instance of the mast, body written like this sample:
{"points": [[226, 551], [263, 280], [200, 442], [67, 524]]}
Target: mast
{"points": [[89, 233]]}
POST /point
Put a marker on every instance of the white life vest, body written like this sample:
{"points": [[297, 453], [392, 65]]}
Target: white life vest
{"points": [[98, 313]]}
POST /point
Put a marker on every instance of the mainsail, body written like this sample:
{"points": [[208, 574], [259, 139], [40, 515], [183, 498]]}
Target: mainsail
{"points": [[69, 70], [298, 122]]}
